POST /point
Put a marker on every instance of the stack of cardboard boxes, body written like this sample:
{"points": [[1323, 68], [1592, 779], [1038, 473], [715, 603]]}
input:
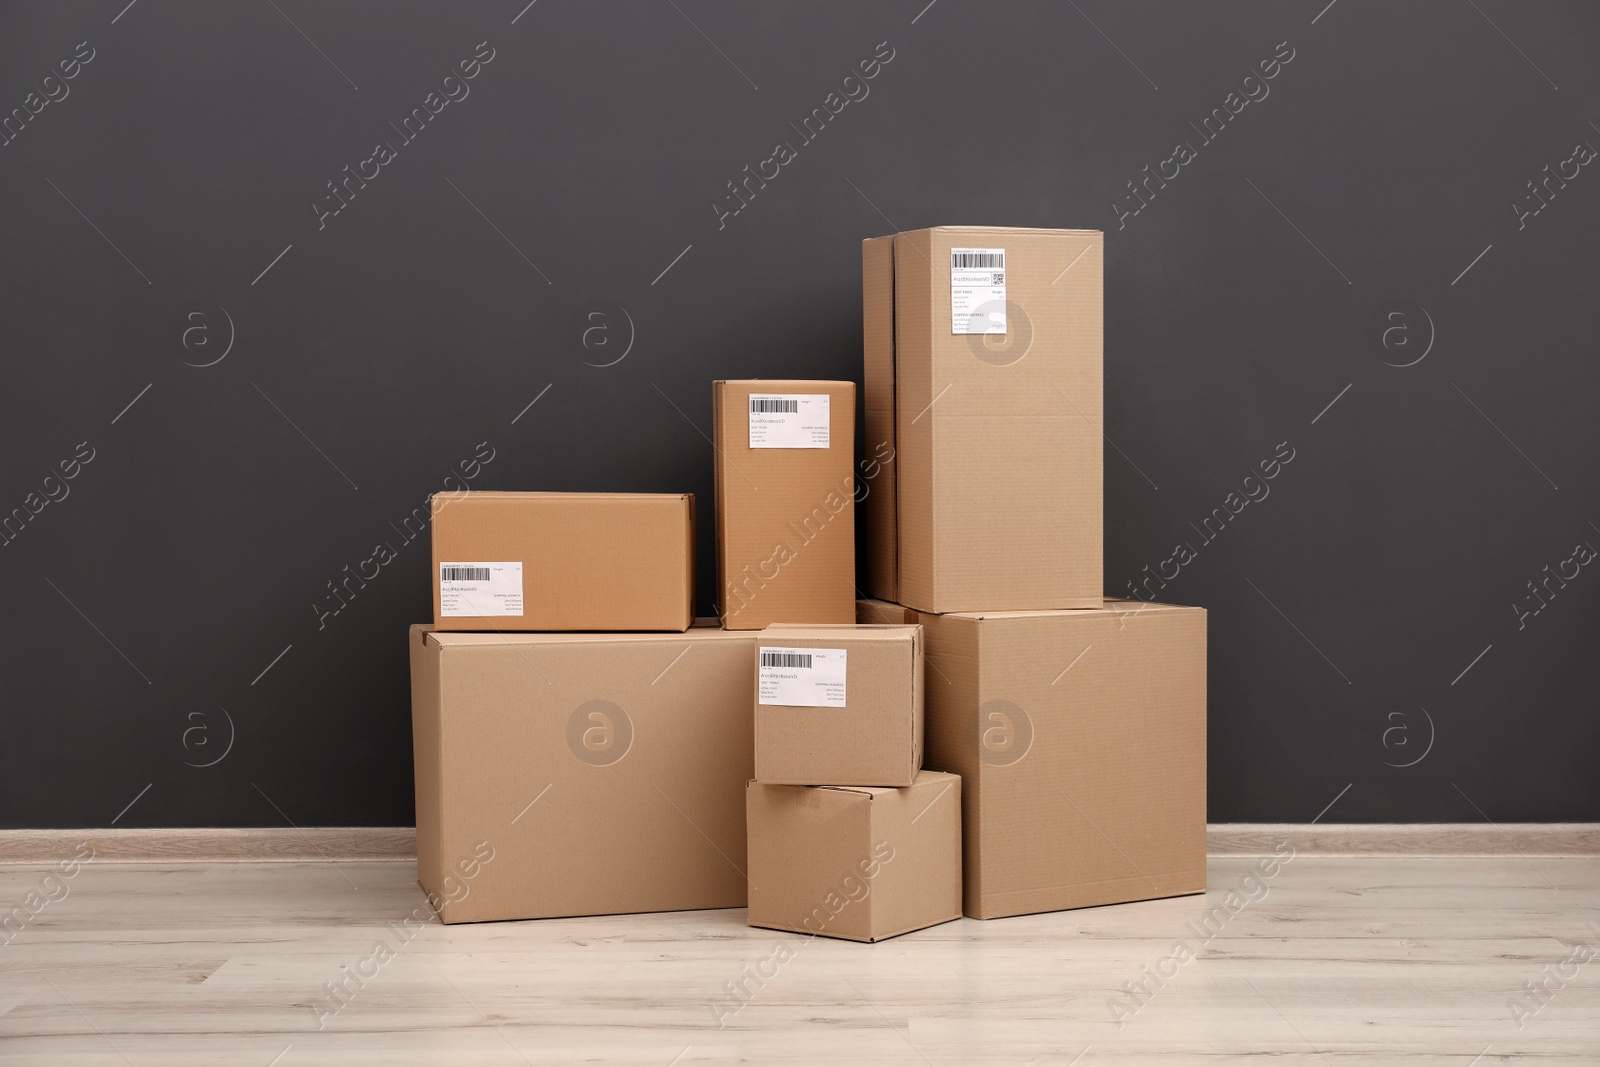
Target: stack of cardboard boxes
{"points": [[985, 733], [1077, 723], [837, 841]]}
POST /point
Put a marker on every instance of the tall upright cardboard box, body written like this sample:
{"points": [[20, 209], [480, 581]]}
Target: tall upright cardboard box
{"points": [[983, 381], [785, 480], [1080, 738]]}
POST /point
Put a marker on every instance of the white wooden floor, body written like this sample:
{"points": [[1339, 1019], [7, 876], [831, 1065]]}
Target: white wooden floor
{"points": [[1381, 960]]}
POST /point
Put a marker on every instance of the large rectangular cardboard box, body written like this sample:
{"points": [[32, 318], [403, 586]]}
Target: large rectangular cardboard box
{"points": [[786, 539], [993, 498], [563, 561], [855, 862], [600, 773], [1080, 737], [839, 705]]}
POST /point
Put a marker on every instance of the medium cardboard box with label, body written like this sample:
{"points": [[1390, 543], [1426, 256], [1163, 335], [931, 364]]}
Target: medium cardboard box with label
{"points": [[983, 381], [1080, 738], [563, 561], [839, 705], [600, 773], [855, 862], [786, 540]]}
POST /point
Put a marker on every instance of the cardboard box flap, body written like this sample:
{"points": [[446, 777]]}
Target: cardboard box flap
{"points": [[472, 639], [868, 631], [870, 612], [643, 499], [869, 791], [1125, 608], [785, 385], [982, 229]]}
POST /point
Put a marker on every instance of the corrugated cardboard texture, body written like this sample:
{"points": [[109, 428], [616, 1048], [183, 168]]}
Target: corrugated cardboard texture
{"points": [[884, 613], [857, 863], [875, 739], [1081, 740], [604, 772], [427, 731], [878, 506], [997, 440], [590, 561], [785, 516]]}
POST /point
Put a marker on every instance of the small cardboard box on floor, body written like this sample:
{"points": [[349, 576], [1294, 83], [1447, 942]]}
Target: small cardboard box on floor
{"points": [[983, 382], [855, 862], [785, 480], [581, 774], [1080, 738], [839, 705], [563, 561]]}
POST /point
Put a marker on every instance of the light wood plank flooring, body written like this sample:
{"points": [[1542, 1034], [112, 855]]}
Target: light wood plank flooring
{"points": [[1381, 959]]}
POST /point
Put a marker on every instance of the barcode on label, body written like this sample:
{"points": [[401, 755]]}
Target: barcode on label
{"points": [[785, 659], [978, 260], [773, 405], [463, 574]]}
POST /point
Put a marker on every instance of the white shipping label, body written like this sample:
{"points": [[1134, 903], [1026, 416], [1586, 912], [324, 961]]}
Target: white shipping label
{"points": [[977, 290], [480, 590], [789, 420], [801, 677]]}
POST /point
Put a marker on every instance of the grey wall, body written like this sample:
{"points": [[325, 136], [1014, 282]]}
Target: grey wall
{"points": [[174, 599]]}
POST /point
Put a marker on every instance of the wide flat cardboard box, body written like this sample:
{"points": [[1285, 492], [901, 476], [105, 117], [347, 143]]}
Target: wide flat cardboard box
{"points": [[839, 705], [993, 498], [1080, 737], [563, 561], [602, 773], [855, 862], [786, 539]]}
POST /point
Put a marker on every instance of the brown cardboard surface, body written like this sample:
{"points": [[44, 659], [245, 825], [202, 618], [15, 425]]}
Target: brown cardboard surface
{"points": [[994, 495], [877, 395], [858, 863], [884, 613], [875, 739], [785, 516], [590, 561], [600, 773], [1080, 737]]}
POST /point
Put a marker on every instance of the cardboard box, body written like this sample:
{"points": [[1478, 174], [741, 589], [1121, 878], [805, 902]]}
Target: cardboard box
{"points": [[839, 705], [563, 561], [580, 774], [1080, 737], [786, 538], [855, 862], [993, 498]]}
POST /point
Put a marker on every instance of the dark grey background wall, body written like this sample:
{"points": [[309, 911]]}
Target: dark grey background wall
{"points": [[252, 393]]}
